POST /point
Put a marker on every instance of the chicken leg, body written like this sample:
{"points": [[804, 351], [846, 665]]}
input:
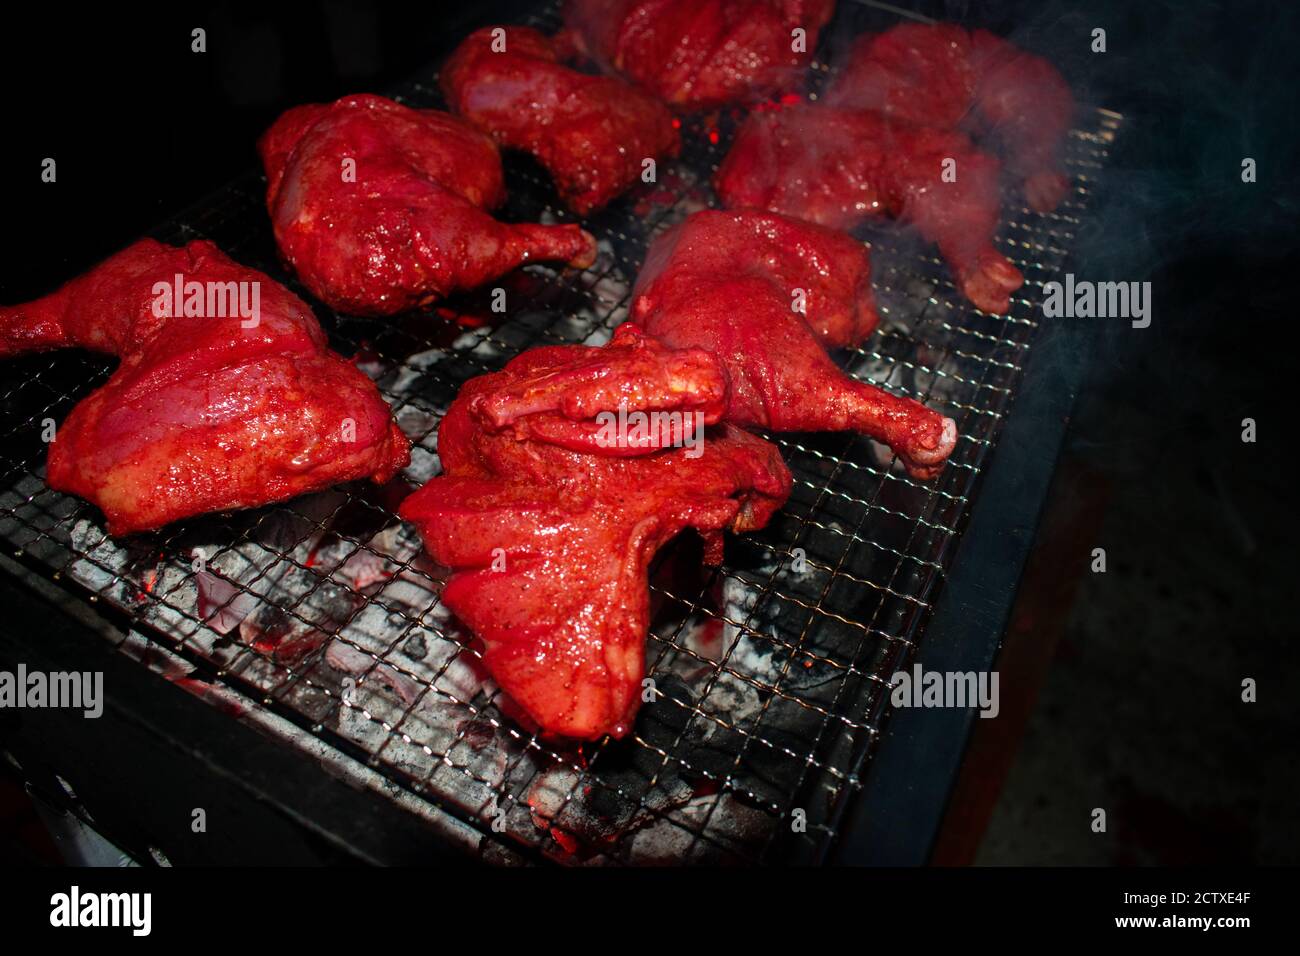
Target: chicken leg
{"points": [[768, 295], [592, 133], [842, 167], [380, 208], [947, 77], [701, 54], [549, 545], [211, 409]]}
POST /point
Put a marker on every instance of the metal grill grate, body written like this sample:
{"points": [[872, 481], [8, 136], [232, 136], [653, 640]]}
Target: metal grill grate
{"points": [[320, 620]]}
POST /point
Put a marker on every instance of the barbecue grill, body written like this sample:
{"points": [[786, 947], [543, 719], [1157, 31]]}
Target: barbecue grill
{"points": [[319, 622]]}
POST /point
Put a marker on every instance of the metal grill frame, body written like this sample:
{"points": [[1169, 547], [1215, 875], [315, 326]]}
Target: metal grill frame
{"points": [[932, 346]]}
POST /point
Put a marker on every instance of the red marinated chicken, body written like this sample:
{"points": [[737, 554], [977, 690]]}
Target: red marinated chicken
{"points": [[215, 405], [380, 208], [768, 295], [948, 77], [549, 546], [842, 167], [592, 133], [700, 54]]}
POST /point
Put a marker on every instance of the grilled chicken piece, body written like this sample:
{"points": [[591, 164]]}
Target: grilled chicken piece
{"points": [[380, 208], [549, 546], [700, 54], [592, 133], [204, 413], [730, 283], [842, 167], [948, 77]]}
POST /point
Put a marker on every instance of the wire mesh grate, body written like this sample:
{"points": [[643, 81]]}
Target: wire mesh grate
{"points": [[320, 619]]}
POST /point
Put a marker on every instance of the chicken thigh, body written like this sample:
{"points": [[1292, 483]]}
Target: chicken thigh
{"points": [[947, 77]]}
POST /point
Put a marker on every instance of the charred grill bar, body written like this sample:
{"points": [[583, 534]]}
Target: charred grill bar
{"points": [[318, 621]]}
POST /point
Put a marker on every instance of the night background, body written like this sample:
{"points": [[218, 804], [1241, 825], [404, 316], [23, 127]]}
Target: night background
{"points": [[1135, 674]]}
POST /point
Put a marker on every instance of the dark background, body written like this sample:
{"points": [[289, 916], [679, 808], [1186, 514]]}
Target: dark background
{"points": [[1136, 706]]}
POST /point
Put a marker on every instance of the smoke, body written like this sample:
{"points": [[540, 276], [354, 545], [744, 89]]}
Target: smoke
{"points": [[1202, 86]]}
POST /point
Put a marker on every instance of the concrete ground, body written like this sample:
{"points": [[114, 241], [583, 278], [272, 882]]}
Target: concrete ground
{"points": [[1141, 713]]}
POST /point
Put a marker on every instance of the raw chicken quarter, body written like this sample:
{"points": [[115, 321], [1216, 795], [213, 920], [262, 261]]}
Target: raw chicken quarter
{"points": [[768, 295], [701, 54], [841, 167], [379, 208], [203, 413], [549, 546], [592, 133]]}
